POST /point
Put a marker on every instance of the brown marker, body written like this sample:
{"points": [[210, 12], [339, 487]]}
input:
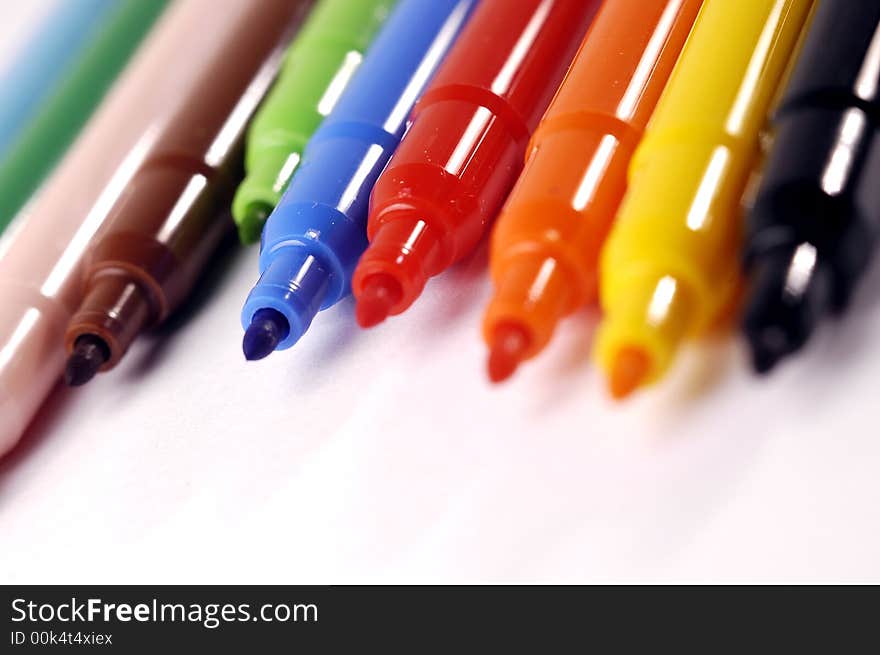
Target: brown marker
{"points": [[172, 216]]}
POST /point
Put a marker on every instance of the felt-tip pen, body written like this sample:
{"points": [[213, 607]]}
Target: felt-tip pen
{"points": [[313, 239], [317, 67], [465, 147], [160, 234], [815, 221], [671, 263], [43, 260], [545, 248], [54, 124], [43, 61]]}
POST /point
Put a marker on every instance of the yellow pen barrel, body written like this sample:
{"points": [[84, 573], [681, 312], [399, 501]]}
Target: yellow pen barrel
{"points": [[671, 262]]}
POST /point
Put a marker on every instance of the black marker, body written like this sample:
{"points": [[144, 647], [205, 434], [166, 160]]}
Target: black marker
{"points": [[816, 219]]}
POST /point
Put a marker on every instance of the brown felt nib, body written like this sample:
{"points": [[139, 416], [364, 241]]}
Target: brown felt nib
{"points": [[88, 356]]}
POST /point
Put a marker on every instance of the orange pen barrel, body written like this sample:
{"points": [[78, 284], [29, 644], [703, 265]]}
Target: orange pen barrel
{"points": [[545, 247]]}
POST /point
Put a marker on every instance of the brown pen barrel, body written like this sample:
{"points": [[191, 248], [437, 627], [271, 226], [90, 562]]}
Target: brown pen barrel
{"points": [[173, 214]]}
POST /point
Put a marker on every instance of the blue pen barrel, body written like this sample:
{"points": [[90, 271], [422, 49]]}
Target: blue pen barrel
{"points": [[309, 249], [314, 238]]}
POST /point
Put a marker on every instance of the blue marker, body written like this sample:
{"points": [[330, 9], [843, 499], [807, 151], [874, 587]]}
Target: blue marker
{"points": [[40, 65], [312, 241]]}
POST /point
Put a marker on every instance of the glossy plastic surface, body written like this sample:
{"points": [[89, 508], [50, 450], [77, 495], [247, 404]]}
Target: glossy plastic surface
{"points": [[159, 235], [318, 66], [468, 138], [44, 61], [671, 262], [314, 237], [816, 219], [55, 123], [42, 256], [545, 247]]}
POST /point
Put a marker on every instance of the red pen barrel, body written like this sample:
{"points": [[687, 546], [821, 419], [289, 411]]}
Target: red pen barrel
{"points": [[465, 147], [427, 212]]}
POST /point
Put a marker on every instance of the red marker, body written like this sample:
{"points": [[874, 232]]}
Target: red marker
{"points": [[465, 147]]}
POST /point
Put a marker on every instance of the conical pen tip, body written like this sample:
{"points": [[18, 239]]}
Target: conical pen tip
{"points": [[629, 370], [268, 328], [506, 351], [88, 356], [768, 345], [379, 294]]}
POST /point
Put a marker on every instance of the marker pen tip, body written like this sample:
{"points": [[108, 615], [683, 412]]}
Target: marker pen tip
{"points": [[268, 328], [256, 215], [506, 352], [629, 369], [380, 293], [768, 346], [88, 356]]}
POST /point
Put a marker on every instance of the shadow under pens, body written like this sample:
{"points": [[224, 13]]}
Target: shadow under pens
{"points": [[206, 288], [564, 370], [460, 288], [336, 331], [333, 334], [579, 350], [845, 339], [49, 416]]}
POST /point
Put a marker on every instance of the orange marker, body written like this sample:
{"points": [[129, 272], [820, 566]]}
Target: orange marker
{"points": [[545, 248]]}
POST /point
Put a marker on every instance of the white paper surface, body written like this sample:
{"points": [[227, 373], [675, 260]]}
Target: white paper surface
{"points": [[385, 456]]}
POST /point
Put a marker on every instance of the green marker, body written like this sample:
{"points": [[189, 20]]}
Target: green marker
{"points": [[56, 123], [318, 66]]}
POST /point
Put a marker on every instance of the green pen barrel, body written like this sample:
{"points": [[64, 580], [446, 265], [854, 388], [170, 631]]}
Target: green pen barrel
{"points": [[317, 67], [38, 148]]}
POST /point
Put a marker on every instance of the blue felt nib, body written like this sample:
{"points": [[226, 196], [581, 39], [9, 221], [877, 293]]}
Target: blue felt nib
{"points": [[315, 236], [268, 328]]}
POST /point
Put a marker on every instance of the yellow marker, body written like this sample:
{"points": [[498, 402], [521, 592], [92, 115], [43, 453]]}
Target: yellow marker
{"points": [[671, 263]]}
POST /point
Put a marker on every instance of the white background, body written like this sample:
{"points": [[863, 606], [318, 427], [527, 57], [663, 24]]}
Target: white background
{"points": [[385, 456]]}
